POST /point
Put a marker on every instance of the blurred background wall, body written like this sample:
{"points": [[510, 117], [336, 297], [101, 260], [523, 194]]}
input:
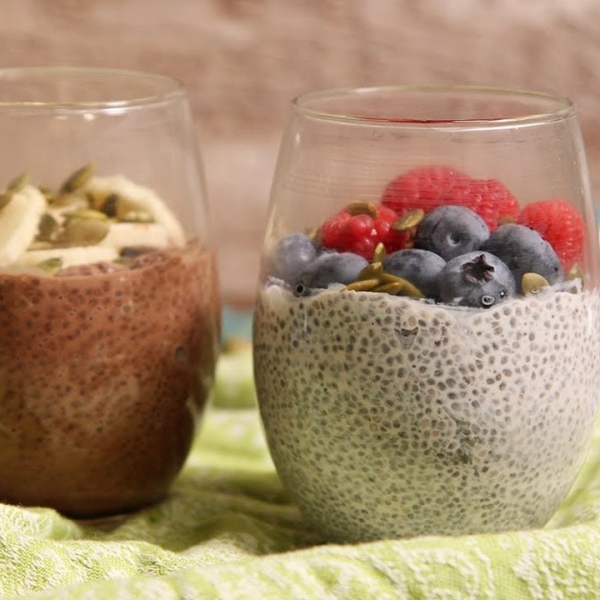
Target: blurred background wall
{"points": [[243, 60]]}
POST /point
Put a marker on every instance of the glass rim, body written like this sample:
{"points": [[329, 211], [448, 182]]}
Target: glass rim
{"points": [[565, 108], [168, 87]]}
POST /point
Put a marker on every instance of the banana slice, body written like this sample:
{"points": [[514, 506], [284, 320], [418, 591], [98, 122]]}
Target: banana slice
{"points": [[121, 235], [146, 198], [70, 257], [19, 221]]}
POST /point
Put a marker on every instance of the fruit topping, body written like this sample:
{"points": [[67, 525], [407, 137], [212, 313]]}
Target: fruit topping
{"points": [[360, 227], [451, 231], [524, 251], [421, 187], [560, 224], [328, 268], [440, 236], [476, 279], [291, 256], [489, 198], [85, 220], [419, 267]]}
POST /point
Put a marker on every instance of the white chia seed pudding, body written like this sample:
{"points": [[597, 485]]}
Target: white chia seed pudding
{"points": [[389, 417]]}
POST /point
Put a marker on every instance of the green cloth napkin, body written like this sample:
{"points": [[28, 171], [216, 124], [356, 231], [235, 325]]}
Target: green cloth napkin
{"points": [[229, 531]]}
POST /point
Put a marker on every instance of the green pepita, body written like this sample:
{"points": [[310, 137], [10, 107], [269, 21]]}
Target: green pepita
{"points": [[18, 183], [86, 213], [365, 285], [379, 253], [409, 220], [83, 232], [398, 286], [48, 228], [362, 208], [533, 283], [51, 265], [371, 271], [78, 179]]}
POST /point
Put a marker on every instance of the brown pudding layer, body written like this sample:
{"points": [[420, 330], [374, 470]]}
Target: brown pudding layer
{"points": [[104, 371]]}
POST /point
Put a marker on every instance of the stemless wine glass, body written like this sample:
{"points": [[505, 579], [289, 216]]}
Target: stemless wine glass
{"points": [[427, 323], [109, 309]]}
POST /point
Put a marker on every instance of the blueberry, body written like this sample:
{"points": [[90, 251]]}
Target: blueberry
{"points": [[420, 267], [524, 251], [330, 267], [451, 231], [477, 279], [291, 256]]}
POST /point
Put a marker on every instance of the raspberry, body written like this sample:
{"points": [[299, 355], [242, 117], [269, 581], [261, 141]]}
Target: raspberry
{"points": [[421, 187], [560, 224], [360, 233], [489, 198]]}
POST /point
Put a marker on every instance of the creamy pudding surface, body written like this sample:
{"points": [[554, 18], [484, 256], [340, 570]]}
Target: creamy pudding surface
{"points": [[390, 416]]}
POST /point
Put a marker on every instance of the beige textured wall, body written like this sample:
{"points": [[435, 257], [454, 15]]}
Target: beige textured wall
{"points": [[242, 61]]}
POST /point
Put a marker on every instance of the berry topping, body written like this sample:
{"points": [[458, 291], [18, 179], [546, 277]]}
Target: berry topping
{"points": [[489, 198], [291, 256], [330, 267], [451, 231], [560, 224], [477, 279], [360, 227], [524, 251], [419, 267], [422, 187]]}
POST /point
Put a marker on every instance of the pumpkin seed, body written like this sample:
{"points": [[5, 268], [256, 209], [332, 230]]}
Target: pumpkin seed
{"points": [[379, 253], [391, 284], [48, 228], [51, 265], [86, 213], [48, 193], [506, 219], [371, 271], [409, 220], [78, 179], [533, 283], [18, 183], [84, 232], [40, 245], [362, 208], [365, 285], [5, 198], [575, 272], [61, 200]]}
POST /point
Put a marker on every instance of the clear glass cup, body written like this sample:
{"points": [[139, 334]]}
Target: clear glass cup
{"points": [[109, 304], [427, 321]]}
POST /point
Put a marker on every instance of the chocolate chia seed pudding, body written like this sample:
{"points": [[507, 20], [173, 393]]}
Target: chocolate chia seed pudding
{"points": [[389, 416], [103, 376], [105, 365]]}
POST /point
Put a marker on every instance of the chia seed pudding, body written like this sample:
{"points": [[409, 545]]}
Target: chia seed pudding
{"points": [[390, 417], [429, 369], [108, 347]]}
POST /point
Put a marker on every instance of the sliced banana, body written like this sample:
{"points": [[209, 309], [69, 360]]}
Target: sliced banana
{"points": [[70, 257], [146, 198], [121, 235], [19, 221]]}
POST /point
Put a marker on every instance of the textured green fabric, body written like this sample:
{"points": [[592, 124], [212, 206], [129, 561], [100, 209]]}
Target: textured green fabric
{"points": [[229, 531]]}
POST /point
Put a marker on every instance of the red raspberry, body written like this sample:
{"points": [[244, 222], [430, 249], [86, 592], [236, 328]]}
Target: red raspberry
{"points": [[360, 233], [560, 224], [489, 198], [421, 187]]}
